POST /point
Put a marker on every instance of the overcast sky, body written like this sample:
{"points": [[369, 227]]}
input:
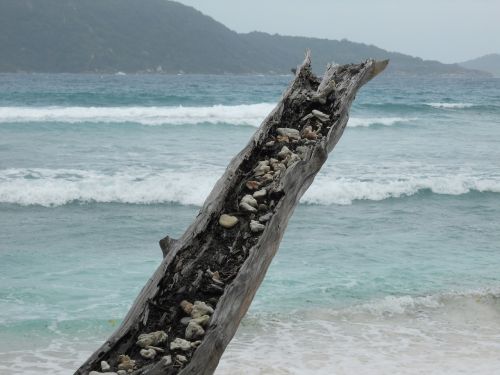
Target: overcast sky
{"points": [[444, 30]]}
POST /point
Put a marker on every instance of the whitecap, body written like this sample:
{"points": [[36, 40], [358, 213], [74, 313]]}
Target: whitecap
{"points": [[56, 187], [450, 105], [327, 190], [355, 122], [244, 114]]}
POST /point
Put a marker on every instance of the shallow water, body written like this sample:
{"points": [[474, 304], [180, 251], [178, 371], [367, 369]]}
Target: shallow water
{"points": [[390, 263]]}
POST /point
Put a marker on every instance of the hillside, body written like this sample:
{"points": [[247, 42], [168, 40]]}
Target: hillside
{"points": [[161, 35], [286, 48], [488, 63]]}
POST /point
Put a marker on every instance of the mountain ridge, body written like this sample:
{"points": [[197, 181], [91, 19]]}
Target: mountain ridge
{"points": [[489, 63], [107, 36]]}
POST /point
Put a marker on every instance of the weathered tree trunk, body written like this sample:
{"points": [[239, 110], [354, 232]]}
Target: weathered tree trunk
{"points": [[224, 267]]}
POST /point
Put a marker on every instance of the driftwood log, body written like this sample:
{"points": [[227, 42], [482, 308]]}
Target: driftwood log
{"points": [[220, 261]]}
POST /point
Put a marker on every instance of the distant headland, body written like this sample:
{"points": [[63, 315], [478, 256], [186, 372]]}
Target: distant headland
{"points": [[159, 36]]}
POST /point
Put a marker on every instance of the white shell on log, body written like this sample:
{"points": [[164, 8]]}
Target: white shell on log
{"points": [[194, 330], [125, 363], [203, 320], [148, 353], [249, 203], [285, 151], [181, 344], [200, 309], [166, 360], [323, 117], [153, 338], [256, 227], [181, 358]]}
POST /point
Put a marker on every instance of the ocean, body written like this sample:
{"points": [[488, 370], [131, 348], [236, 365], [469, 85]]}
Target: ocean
{"points": [[390, 264]]}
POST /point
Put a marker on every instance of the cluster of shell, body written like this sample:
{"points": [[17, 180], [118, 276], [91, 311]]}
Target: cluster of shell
{"points": [[197, 319], [256, 204], [256, 201]]}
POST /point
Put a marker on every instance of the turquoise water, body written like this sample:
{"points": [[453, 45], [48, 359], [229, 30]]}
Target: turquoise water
{"points": [[390, 263]]}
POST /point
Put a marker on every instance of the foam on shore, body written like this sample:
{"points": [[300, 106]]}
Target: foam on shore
{"points": [[438, 334]]}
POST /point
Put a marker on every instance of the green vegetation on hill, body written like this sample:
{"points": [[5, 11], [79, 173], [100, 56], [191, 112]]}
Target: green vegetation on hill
{"points": [[161, 35]]}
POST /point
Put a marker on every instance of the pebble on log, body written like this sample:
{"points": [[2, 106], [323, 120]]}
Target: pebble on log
{"points": [[252, 185], [228, 221], [259, 194], [105, 367]]}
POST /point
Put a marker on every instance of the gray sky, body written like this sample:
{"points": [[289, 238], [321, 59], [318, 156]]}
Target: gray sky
{"points": [[444, 30]]}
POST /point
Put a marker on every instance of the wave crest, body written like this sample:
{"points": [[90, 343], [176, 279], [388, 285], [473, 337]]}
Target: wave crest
{"points": [[451, 105], [326, 191], [56, 187], [356, 122], [244, 114], [409, 305]]}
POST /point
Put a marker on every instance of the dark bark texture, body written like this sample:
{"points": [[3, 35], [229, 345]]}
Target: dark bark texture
{"points": [[222, 266]]}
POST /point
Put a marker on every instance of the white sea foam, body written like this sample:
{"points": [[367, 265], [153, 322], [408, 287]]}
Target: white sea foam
{"points": [[355, 122], [326, 190], [449, 333], [416, 305], [450, 105], [57, 356], [438, 334], [55, 187], [244, 114]]}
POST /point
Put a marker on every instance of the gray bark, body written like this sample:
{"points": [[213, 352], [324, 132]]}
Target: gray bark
{"points": [[241, 256]]}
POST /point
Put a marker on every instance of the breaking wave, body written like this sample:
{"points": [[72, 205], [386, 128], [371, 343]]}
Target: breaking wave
{"points": [[244, 114], [326, 191], [355, 122], [451, 105], [411, 305], [56, 187]]}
